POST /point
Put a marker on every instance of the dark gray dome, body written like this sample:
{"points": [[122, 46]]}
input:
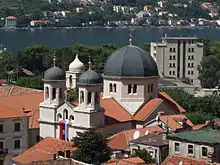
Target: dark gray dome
{"points": [[54, 73], [130, 61], [90, 77]]}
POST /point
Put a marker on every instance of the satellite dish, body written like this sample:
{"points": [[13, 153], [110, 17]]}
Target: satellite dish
{"points": [[136, 135], [146, 133]]}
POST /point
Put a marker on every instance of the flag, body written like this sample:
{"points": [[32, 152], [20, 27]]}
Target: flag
{"points": [[63, 130]]}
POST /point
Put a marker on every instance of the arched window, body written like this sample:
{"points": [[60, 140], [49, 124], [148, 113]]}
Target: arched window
{"points": [[54, 93], [70, 81], [152, 87], [61, 93], [110, 87], [71, 118], [81, 97], [46, 92], [134, 88], [89, 97], [148, 88], [115, 88], [129, 89], [65, 114], [59, 116]]}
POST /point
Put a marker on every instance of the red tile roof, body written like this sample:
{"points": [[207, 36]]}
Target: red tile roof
{"points": [[6, 112], [126, 161], [121, 140], [147, 108], [175, 160], [172, 121], [165, 96], [43, 150]]}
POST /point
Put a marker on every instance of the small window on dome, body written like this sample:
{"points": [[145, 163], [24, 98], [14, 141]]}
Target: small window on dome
{"points": [[89, 97], [152, 87], [54, 93], [115, 88], [110, 87], [129, 89], [134, 88], [70, 81], [46, 92]]}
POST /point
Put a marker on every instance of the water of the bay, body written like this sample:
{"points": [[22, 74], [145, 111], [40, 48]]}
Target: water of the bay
{"points": [[15, 40]]}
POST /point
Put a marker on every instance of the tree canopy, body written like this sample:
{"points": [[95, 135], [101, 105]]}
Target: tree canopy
{"points": [[92, 148], [145, 155]]}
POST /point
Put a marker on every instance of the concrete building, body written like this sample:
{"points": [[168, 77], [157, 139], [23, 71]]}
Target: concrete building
{"points": [[178, 57], [10, 22], [203, 144]]}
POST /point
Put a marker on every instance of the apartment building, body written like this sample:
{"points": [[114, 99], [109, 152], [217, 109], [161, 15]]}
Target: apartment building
{"points": [[178, 57]]}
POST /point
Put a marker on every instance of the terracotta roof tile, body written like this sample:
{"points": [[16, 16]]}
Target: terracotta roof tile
{"points": [[172, 121], [114, 110], [125, 161], [43, 150], [175, 160], [167, 97], [121, 140], [199, 126], [147, 108], [25, 103], [6, 112]]}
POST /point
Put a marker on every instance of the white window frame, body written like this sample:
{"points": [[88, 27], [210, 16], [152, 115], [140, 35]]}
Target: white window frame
{"points": [[176, 152], [14, 143], [204, 157], [190, 154]]}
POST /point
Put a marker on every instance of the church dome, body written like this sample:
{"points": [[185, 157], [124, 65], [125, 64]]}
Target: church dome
{"points": [[130, 61], [76, 65], [90, 77], [54, 73]]}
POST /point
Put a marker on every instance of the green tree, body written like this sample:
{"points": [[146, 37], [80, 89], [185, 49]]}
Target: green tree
{"points": [[72, 95], [7, 63], [145, 155], [92, 148], [31, 82]]}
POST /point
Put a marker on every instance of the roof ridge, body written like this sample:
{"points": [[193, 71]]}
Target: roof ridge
{"points": [[122, 107]]}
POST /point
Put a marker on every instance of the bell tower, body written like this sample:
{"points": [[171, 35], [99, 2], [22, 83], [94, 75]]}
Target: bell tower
{"points": [[54, 96]]}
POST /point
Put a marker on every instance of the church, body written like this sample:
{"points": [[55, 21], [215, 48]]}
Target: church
{"points": [[125, 96]]}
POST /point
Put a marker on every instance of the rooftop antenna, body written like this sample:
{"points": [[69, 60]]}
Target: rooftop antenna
{"points": [[54, 58], [90, 63]]}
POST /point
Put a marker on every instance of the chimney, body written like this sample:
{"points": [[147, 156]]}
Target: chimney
{"points": [[184, 123]]}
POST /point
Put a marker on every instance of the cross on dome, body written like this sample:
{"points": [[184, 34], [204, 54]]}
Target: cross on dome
{"points": [[90, 63], [54, 58]]}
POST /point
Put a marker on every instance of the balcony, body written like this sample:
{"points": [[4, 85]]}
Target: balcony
{"points": [[3, 152]]}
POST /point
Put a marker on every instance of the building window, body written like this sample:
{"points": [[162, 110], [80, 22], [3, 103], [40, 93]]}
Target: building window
{"points": [[189, 57], [71, 81], [192, 72], [1, 145], [190, 149], [148, 88], [174, 57], [65, 114], [46, 92], [192, 49], [110, 87], [171, 50], [114, 88], [129, 89], [1, 128], [170, 57], [59, 116], [170, 65], [174, 49], [152, 87], [71, 118], [54, 93], [134, 88], [174, 65], [174, 72], [189, 65], [192, 57], [81, 97], [89, 97], [60, 93], [192, 65], [17, 144], [188, 72], [170, 72], [177, 147], [204, 151], [189, 49], [17, 126]]}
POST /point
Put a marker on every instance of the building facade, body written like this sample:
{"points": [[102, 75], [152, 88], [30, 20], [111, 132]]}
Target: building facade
{"points": [[178, 57]]}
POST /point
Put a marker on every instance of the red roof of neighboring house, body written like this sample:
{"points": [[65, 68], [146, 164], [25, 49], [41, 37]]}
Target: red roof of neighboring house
{"points": [[121, 140], [175, 160], [43, 150], [172, 121], [125, 161], [164, 95], [6, 112], [3, 82], [11, 17]]}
